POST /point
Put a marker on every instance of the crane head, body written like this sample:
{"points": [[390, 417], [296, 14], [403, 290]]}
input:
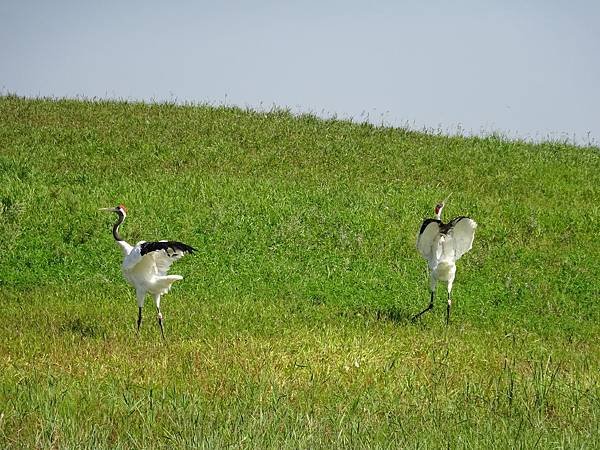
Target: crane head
{"points": [[440, 206], [121, 210]]}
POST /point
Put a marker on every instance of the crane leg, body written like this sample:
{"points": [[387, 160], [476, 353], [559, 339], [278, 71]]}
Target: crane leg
{"points": [[160, 323], [140, 301], [139, 321], [449, 299], [415, 317], [160, 317]]}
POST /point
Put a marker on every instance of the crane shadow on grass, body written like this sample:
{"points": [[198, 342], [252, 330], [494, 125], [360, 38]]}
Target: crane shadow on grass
{"points": [[81, 327], [393, 313], [389, 313]]}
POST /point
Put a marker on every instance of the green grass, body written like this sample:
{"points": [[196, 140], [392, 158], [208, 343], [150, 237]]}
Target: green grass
{"points": [[291, 327]]}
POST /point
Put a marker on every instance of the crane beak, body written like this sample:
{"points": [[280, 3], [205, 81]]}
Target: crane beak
{"points": [[108, 209], [446, 199]]}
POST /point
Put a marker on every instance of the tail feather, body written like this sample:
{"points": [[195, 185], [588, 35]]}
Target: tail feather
{"points": [[163, 283]]}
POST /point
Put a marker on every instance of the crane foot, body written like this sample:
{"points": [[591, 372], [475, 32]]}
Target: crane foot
{"points": [[416, 316]]}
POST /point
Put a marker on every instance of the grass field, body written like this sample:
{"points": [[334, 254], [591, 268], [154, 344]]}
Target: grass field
{"points": [[291, 327]]}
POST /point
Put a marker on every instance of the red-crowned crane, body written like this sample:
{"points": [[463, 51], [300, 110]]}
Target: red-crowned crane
{"points": [[145, 265], [442, 244]]}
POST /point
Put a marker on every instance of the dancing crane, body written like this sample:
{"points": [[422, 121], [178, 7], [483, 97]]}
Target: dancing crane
{"points": [[145, 265], [442, 244]]}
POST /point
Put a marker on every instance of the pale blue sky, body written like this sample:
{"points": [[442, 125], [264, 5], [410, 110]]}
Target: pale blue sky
{"points": [[527, 69]]}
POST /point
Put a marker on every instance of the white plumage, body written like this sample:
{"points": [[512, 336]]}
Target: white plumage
{"points": [[148, 272], [146, 264], [442, 244]]}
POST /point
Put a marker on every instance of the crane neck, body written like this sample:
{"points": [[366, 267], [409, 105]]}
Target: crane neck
{"points": [[116, 234]]}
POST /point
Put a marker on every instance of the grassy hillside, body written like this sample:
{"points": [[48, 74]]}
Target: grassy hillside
{"points": [[291, 326]]}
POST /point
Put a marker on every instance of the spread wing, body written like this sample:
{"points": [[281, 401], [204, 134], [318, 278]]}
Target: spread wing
{"points": [[157, 256], [462, 232], [428, 238], [435, 236]]}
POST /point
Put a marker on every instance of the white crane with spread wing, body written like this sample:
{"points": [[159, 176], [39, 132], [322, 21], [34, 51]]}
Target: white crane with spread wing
{"points": [[145, 265], [442, 244]]}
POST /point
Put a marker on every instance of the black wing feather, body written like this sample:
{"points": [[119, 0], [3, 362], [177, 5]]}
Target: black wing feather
{"points": [[148, 247], [427, 222], [446, 227]]}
